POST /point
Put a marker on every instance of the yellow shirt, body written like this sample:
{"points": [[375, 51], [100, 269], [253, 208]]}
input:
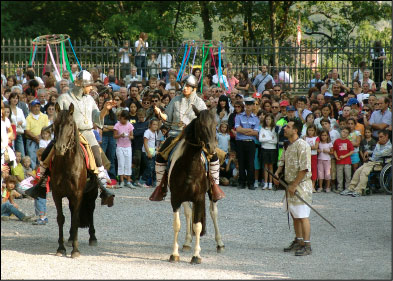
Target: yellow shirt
{"points": [[18, 171], [35, 126]]}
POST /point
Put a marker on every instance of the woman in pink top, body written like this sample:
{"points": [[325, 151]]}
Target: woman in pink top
{"points": [[123, 134], [232, 81], [325, 149]]}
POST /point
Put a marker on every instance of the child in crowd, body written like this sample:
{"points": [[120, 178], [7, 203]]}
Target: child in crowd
{"points": [[268, 138], [137, 143], [310, 118], [226, 169], [164, 134], [123, 134], [343, 149], [334, 134], [342, 123], [312, 139], [8, 205], [354, 113], [149, 153], [18, 170], [355, 137], [40, 201], [367, 145], [234, 180], [28, 171], [325, 150], [45, 138], [223, 137]]}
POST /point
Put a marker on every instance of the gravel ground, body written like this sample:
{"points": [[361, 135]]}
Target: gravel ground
{"points": [[135, 241]]}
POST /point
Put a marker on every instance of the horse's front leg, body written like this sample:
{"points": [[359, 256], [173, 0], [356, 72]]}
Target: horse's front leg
{"points": [[214, 215], [176, 228], [188, 215], [196, 258], [74, 226], [61, 251]]}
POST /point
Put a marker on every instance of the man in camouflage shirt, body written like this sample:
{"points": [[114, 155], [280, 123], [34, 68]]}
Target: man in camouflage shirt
{"points": [[297, 161]]}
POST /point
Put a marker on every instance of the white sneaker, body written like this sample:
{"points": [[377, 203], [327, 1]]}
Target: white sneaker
{"points": [[264, 186], [256, 184], [270, 186], [122, 184], [130, 185]]}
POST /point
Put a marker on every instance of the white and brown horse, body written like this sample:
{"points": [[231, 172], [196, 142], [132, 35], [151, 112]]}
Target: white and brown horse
{"points": [[188, 183]]}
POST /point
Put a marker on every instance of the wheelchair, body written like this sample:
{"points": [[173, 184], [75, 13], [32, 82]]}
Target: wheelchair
{"points": [[380, 178]]}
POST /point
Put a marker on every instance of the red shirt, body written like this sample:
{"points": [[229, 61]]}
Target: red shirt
{"points": [[343, 147]]}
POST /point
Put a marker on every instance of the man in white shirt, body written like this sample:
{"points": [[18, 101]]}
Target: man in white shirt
{"points": [[164, 63], [364, 94], [358, 74], [141, 47], [74, 71], [133, 76], [223, 79], [125, 53], [366, 79], [31, 75], [285, 79]]}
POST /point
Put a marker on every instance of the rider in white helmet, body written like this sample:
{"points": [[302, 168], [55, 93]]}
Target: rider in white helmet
{"points": [[85, 114]]}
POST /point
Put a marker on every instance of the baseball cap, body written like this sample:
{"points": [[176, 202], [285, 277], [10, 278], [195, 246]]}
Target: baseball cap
{"points": [[291, 108], [352, 101], [35, 102], [256, 95], [239, 95], [284, 103]]}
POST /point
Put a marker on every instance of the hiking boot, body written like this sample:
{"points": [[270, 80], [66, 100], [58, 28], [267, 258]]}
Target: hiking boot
{"points": [[122, 184], [355, 194], [293, 246], [304, 251], [39, 222], [346, 192], [5, 218], [338, 190]]}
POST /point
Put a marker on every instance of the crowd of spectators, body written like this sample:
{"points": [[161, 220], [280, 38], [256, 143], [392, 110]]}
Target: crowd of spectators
{"points": [[346, 127]]}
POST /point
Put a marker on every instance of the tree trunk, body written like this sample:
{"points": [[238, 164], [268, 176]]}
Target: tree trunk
{"points": [[249, 7], [207, 25], [273, 22], [244, 59], [177, 17]]}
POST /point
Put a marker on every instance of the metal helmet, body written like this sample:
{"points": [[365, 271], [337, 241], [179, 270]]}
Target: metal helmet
{"points": [[191, 80], [83, 79]]}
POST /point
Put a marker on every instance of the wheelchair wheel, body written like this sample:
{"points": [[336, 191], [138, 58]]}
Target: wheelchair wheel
{"points": [[385, 178]]}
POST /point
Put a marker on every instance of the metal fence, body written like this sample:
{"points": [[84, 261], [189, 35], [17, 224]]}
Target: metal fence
{"points": [[300, 62]]}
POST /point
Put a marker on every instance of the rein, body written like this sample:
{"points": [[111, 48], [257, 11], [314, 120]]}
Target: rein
{"points": [[200, 144]]}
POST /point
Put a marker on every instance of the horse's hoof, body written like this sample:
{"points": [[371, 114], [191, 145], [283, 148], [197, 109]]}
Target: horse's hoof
{"points": [[186, 248], [196, 260], [61, 253], [69, 243], [220, 249], [173, 258], [92, 242], [75, 254]]}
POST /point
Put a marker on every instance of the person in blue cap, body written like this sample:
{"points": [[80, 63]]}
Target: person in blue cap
{"points": [[246, 125]]}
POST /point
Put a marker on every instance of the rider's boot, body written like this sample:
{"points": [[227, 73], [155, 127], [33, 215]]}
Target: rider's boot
{"points": [[39, 190], [217, 192], [106, 195], [162, 183]]}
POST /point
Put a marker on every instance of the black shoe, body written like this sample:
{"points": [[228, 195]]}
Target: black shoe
{"points": [[242, 186], [39, 190], [251, 187]]}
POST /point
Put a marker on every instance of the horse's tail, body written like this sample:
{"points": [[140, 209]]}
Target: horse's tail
{"points": [[88, 204], [199, 215]]}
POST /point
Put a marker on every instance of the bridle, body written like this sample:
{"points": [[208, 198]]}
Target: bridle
{"points": [[71, 141], [200, 144]]}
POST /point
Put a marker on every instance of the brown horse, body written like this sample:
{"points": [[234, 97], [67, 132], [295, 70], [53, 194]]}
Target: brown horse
{"points": [[69, 178], [188, 182]]}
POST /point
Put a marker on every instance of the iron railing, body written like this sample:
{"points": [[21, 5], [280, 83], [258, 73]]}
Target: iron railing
{"points": [[300, 62]]}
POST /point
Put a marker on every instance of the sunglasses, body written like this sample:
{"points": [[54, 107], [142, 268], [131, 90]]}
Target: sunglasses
{"points": [[146, 102], [275, 107], [117, 99], [155, 100]]}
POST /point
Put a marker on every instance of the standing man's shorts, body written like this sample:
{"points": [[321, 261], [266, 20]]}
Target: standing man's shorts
{"points": [[299, 211]]}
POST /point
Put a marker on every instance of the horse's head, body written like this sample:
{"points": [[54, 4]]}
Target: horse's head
{"points": [[65, 130], [205, 129]]}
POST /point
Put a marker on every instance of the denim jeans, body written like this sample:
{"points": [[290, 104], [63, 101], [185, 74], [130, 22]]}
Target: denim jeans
{"points": [[7, 209], [31, 150], [140, 63], [18, 145], [40, 206], [108, 145], [149, 174]]}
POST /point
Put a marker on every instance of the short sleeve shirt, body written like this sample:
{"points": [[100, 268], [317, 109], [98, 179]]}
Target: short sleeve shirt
{"points": [[126, 129], [343, 147], [324, 155], [151, 139], [246, 122], [297, 157]]}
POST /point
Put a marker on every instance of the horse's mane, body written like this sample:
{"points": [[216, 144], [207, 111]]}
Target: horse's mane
{"points": [[63, 118]]}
